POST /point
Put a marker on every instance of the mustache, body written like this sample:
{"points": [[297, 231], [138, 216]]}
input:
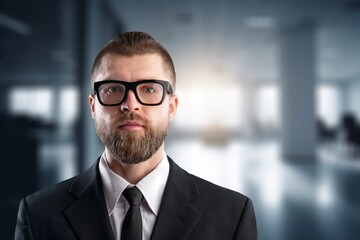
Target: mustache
{"points": [[129, 117]]}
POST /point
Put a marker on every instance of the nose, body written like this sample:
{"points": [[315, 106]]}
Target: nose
{"points": [[130, 103]]}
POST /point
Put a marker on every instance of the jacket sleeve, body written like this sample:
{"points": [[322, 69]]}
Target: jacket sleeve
{"points": [[247, 229], [23, 227]]}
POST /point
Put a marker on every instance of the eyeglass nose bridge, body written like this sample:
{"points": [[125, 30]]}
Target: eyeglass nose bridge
{"points": [[130, 86]]}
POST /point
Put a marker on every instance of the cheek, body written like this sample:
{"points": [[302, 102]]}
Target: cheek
{"points": [[106, 115], [160, 117]]}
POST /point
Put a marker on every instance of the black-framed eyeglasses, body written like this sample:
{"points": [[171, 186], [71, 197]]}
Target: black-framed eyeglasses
{"points": [[147, 92]]}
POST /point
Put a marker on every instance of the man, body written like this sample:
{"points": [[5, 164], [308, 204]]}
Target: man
{"points": [[134, 191]]}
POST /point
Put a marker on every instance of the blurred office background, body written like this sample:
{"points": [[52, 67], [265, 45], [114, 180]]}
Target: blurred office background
{"points": [[269, 101]]}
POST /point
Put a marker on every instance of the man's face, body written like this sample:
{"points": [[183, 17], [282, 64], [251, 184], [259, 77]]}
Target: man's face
{"points": [[132, 132]]}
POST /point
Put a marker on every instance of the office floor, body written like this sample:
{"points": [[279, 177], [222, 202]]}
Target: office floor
{"points": [[303, 200]]}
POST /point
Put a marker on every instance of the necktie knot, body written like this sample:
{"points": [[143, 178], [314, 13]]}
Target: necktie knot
{"points": [[133, 196]]}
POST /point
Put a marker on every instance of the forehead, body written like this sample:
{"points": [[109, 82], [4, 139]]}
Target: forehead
{"points": [[131, 68]]}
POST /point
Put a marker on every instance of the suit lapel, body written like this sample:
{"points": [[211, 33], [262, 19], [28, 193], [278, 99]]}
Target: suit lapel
{"points": [[177, 217], [88, 215]]}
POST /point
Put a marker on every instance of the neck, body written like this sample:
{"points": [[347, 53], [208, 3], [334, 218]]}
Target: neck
{"points": [[133, 173]]}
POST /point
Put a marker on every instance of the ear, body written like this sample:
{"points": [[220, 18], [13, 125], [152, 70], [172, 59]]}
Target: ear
{"points": [[173, 104], [92, 105]]}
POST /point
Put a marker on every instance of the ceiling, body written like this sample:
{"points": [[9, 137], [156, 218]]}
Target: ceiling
{"points": [[231, 40]]}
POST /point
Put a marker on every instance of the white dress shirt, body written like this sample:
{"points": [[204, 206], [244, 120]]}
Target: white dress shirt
{"points": [[152, 186]]}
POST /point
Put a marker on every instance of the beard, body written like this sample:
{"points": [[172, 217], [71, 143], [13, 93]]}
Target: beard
{"points": [[131, 147]]}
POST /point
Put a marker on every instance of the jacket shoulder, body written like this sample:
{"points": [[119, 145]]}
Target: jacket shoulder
{"points": [[54, 195], [214, 191], [65, 191]]}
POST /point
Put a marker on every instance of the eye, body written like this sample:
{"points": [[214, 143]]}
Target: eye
{"points": [[149, 90], [113, 89]]}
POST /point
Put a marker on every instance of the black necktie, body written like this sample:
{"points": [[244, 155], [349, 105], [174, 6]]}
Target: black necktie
{"points": [[132, 226]]}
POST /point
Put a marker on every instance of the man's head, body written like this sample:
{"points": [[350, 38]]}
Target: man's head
{"points": [[133, 101]]}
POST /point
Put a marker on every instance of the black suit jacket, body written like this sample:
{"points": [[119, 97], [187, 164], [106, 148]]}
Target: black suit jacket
{"points": [[191, 208]]}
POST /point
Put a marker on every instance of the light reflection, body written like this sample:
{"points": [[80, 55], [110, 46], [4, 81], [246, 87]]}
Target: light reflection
{"points": [[324, 194]]}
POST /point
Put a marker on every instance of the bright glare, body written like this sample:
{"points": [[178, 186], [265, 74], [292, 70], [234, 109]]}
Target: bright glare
{"points": [[328, 108], [272, 190], [267, 111], [35, 102], [68, 105], [201, 108]]}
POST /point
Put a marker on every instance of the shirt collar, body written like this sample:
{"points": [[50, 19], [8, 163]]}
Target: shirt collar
{"points": [[113, 184], [152, 186]]}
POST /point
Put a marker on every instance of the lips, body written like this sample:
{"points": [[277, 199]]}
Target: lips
{"points": [[131, 125]]}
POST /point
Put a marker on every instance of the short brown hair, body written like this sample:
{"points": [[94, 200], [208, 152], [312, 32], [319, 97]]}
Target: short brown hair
{"points": [[135, 43]]}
